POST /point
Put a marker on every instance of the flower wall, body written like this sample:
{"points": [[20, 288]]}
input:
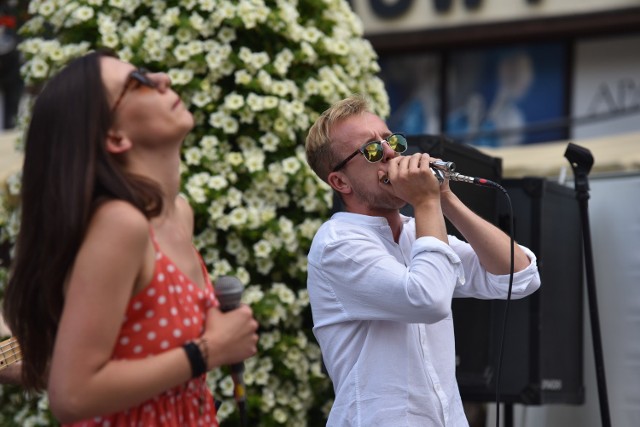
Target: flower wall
{"points": [[256, 74]]}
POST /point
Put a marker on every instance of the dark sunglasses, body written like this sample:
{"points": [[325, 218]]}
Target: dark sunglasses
{"points": [[373, 151], [138, 77]]}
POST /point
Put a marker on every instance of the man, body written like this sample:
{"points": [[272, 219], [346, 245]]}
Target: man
{"points": [[381, 284]]}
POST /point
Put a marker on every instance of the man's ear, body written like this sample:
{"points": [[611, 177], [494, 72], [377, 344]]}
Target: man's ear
{"points": [[117, 143], [339, 182]]}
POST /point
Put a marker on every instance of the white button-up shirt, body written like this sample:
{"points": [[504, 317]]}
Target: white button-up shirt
{"points": [[382, 316]]}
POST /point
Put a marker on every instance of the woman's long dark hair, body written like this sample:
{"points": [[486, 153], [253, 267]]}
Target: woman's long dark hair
{"points": [[67, 172]]}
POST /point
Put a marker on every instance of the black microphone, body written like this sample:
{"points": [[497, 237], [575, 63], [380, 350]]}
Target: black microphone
{"points": [[228, 290]]}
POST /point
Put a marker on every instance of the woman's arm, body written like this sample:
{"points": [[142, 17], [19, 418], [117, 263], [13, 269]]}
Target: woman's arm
{"points": [[84, 381], [115, 260]]}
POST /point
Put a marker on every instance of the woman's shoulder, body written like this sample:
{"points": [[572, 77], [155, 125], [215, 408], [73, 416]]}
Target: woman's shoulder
{"points": [[184, 208], [183, 204], [120, 217]]}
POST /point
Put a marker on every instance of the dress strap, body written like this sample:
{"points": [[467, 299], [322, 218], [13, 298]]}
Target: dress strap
{"points": [[152, 234]]}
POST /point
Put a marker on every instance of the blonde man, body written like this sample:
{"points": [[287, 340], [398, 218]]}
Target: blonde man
{"points": [[381, 283]]}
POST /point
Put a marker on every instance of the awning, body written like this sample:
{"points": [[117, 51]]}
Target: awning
{"points": [[619, 153]]}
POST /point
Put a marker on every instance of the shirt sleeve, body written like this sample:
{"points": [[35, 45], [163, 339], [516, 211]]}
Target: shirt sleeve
{"points": [[361, 280], [484, 285]]}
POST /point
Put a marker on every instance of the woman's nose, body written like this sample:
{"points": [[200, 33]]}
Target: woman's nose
{"points": [[162, 80]]}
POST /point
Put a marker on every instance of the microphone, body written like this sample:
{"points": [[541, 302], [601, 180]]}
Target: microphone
{"points": [[442, 170], [447, 170], [228, 290]]}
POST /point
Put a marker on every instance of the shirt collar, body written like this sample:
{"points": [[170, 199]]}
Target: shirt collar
{"points": [[372, 222]]}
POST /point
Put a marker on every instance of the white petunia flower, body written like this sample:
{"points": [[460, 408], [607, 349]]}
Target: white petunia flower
{"points": [[192, 156], [254, 160], [83, 13], [180, 77], [234, 158], [264, 265], [238, 216], [215, 211], [182, 53], [207, 5], [262, 249], [270, 102], [234, 197], [117, 3], [110, 40], [230, 125], [38, 68], [45, 9], [209, 141], [196, 193], [242, 77], [269, 141], [217, 182], [226, 386], [234, 101], [251, 295], [280, 416], [227, 34], [290, 165], [200, 99], [216, 119], [255, 102]]}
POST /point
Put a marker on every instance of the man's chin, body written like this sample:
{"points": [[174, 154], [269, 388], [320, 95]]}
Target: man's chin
{"points": [[394, 204]]}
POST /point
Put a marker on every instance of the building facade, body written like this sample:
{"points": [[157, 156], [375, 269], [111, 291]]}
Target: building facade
{"points": [[497, 73]]}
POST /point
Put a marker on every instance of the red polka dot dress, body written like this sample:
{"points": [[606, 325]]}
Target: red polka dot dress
{"points": [[169, 312]]}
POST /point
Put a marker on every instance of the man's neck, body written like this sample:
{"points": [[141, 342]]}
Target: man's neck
{"points": [[391, 215]]}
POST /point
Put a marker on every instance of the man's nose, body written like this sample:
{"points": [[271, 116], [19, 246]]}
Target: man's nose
{"points": [[388, 152]]}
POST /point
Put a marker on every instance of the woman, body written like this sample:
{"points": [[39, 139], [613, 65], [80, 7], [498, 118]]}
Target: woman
{"points": [[108, 298]]}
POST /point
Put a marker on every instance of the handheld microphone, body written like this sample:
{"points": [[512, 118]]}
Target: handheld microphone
{"points": [[228, 290], [448, 167], [447, 170], [442, 170]]}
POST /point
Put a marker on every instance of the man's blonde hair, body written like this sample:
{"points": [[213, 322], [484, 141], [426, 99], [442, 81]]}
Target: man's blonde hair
{"points": [[320, 155]]}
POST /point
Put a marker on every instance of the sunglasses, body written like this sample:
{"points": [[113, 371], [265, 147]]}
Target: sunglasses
{"points": [[136, 77], [373, 151]]}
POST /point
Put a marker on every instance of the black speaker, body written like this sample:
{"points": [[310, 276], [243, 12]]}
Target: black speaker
{"points": [[542, 360]]}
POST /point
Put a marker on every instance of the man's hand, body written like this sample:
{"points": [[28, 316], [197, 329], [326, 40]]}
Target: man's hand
{"points": [[412, 180]]}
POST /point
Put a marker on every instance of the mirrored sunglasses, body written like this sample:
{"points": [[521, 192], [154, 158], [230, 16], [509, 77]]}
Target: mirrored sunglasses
{"points": [[373, 151]]}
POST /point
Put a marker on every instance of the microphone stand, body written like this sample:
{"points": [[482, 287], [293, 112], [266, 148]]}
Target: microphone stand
{"points": [[581, 162]]}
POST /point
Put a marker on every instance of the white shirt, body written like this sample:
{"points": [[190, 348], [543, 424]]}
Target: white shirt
{"points": [[382, 316]]}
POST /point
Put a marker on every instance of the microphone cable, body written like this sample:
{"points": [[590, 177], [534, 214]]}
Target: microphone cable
{"points": [[506, 307], [447, 170]]}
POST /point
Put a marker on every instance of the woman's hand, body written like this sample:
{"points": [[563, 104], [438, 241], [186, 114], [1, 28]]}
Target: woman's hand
{"points": [[231, 337]]}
